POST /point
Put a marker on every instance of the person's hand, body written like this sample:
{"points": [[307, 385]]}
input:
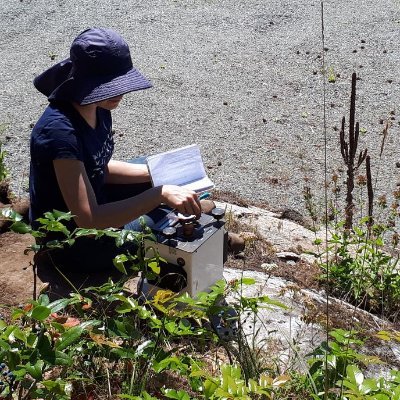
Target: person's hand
{"points": [[185, 201]]}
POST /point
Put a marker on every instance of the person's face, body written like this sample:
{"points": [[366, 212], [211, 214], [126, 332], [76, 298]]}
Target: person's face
{"points": [[110, 104]]}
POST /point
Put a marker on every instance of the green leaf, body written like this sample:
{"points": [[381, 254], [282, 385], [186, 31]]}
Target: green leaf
{"points": [[269, 301], [154, 266], [43, 300], [369, 385], [20, 335], [58, 305], [92, 322], [10, 214], [60, 215], [381, 396], [354, 374], [43, 345], [171, 363], [20, 227], [14, 359], [248, 281], [54, 244], [119, 261], [123, 308], [4, 345], [176, 394], [57, 358], [209, 388], [31, 339], [144, 396], [69, 337], [35, 370], [40, 313], [144, 348], [55, 387], [86, 232]]}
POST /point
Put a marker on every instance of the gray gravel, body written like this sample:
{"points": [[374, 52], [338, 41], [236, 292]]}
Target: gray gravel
{"points": [[242, 78]]}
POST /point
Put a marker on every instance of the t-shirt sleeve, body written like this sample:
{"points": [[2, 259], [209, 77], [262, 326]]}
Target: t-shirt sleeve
{"points": [[58, 140]]}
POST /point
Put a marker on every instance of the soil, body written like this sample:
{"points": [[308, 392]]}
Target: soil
{"points": [[23, 278], [16, 267]]}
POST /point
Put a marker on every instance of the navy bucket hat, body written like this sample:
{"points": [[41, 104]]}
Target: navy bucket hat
{"points": [[99, 67]]}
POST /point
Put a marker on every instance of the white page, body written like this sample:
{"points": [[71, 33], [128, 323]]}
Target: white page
{"points": [[200, 185], [182, 167]]}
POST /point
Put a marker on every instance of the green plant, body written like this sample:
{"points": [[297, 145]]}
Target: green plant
{"points": [[3, 170], [361, 270], [231, 384], [331, 75], [356, 386], [333, 364], [52, 55]]}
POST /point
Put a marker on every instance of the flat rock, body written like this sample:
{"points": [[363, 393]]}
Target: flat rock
{"points": [[284, 235]]}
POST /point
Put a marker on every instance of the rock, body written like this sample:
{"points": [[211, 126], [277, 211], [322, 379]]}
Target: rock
{"points": [[288, 256], [292, 215], [21, 206], [236, 243], [282, 234]]}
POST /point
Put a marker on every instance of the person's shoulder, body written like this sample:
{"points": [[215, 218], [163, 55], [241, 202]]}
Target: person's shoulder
{"points": [[54, 117]]}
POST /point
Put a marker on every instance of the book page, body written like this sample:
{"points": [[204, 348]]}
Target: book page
{"points": [[182, 167], [200, 185]]}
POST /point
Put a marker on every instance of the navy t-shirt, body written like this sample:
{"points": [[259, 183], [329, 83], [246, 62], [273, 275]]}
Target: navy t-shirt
{"points": [[62, 133]]}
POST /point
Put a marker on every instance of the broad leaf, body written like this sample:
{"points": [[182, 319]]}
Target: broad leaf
{"points": [[20, 227], [40, 313], [69, 337]]}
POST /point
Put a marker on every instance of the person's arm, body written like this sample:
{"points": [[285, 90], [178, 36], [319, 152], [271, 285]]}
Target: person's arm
{"points": [[118, 172], [80, 199]]}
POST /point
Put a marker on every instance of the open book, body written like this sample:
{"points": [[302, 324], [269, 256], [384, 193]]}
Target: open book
{"points": [[181, 167]]}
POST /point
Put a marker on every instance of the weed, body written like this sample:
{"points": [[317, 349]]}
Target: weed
{"points": [[52, 55], [362, 272], [331, 75], [3, 170]]}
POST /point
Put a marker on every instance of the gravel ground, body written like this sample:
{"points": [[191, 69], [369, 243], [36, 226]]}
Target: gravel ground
{"points": [[242, 78]]}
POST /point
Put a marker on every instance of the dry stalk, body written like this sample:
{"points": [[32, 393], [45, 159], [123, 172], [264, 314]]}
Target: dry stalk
{"points": [[349, 150]]}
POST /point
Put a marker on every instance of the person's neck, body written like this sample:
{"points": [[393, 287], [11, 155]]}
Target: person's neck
{"points": [[88, 113]]}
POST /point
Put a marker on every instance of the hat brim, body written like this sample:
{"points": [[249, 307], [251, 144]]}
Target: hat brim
{"points": [[104, 88], [89, 89]]}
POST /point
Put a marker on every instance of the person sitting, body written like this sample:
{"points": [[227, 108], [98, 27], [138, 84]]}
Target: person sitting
{"points": [[71, 148]]}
